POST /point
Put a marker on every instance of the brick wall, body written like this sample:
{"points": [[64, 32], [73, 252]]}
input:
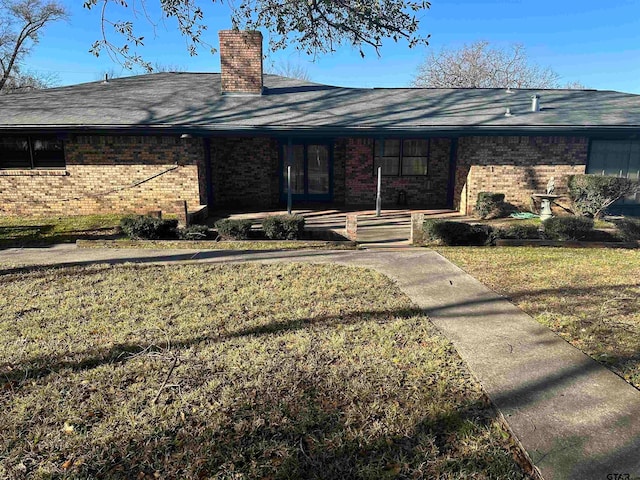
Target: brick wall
{"points": [[425, 191], [245, 171], [339, 166], [515, 166], [241, 61], [100, 175]]}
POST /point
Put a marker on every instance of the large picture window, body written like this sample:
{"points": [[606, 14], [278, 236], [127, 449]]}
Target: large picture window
{"points": [[31, 152], [617, 158], [403, 157]]}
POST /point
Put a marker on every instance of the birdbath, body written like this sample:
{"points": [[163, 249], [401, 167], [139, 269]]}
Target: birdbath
{"points": [[546, 199], [545, 204]]}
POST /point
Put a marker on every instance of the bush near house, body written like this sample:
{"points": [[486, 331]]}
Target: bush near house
{"points": [[492, 205], [443, 232], [591, 195], [193, 232], [283, 227], [144, 227], [234, 229], [487, 203], [567, 228], [628, 229], [520, 232]]}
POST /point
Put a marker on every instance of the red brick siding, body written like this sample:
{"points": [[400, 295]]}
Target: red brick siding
{"points": [[515, 166], [241, 61], [425, 191], [100, 174], [245, 171], [339, 164]]}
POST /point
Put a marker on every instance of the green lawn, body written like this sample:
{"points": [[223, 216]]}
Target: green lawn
{"points": [[230, 372], [591, 297], [17, 231]]}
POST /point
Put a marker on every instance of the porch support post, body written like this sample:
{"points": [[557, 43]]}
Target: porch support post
{"points": [[378, 196], [289, 162], [379, 190]]}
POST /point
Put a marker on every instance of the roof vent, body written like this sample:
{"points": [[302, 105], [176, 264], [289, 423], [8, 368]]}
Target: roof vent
{"points": [[106, 78], [508, 113], [535, 103]]}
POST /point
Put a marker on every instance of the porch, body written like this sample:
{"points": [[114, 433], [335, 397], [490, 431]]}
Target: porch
{"points": [[391, 229]]}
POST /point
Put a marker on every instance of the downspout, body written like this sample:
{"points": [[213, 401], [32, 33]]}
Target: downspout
{"points": [[453, 161], [207, 172]]}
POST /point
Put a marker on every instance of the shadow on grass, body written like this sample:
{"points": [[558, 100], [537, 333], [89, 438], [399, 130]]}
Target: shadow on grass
{"points": [[43, 235], [305, 428], [41, 367], [318, 444], [238, 256]]}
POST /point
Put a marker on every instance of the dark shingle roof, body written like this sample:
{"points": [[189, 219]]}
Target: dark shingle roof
{"points": [[193, 100]]}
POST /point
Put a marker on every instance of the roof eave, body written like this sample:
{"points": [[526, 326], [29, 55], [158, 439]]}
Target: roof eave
{"points": [[332, 130]]}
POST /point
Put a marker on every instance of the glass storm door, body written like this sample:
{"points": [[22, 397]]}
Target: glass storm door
{"points": [[311, 175]]}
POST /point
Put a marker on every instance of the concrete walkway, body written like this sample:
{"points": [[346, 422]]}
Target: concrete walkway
{"points": [[575, 419]]}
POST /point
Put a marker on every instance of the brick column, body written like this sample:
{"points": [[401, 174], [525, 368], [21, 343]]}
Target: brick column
{"points": [[417, 230], [352, 227]]}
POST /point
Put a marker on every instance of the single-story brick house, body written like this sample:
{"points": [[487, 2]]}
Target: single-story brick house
{"points": [[224, 140]]}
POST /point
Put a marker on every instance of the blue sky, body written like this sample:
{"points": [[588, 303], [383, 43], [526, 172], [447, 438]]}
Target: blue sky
{"points": [[594, 42]]}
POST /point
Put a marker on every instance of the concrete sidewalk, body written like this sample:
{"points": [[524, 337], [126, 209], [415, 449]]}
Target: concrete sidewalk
{"points": [[575, 418]]}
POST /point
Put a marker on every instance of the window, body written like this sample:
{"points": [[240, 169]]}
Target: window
{"points": [[407, 157], [390, 160], [617, 158], [31, 152]]}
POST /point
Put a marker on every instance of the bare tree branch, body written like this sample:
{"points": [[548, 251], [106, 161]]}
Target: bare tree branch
{"points": [[22, 21], [287, 69], [479, 65], [312, 26]]}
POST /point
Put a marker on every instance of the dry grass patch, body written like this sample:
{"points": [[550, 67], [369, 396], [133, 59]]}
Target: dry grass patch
{"points": [[48, 230], [591, 297], [243, 371], [245, 245]]}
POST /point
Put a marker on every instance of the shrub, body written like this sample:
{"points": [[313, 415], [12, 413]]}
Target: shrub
{"points": [[520, 232], [457, 233], [234, 229], [283, 227], [628, 229], [591, 195], [489, 204], [193, 232], [148, 228], [567, 228]]}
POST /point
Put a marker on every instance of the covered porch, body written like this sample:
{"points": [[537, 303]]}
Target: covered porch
{"points": [[392, 228]]}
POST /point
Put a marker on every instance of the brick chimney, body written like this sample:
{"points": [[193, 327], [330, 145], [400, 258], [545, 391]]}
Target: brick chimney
{"points": [[241, 62]]}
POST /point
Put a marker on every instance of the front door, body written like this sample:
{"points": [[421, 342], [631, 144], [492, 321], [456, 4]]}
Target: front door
{"points": [[311, 172]]}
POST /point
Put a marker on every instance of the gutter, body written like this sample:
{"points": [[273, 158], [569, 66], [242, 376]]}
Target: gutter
{"points": [[276, 130]]}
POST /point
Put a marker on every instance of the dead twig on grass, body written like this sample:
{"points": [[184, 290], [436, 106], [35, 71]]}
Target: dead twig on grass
{"points": [[164, 384]]}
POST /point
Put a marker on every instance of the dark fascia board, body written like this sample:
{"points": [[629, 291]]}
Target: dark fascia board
{"points": [[277, 131]]}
